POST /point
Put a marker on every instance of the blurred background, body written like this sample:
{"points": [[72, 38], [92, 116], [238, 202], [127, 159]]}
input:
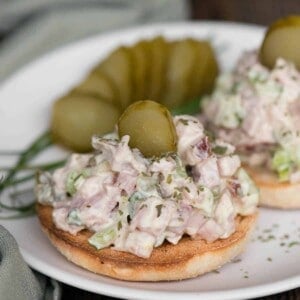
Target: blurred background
{"points": [[261, 12], [30, 28]]}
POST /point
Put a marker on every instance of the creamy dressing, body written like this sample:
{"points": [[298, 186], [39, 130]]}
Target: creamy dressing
{"points": [[258, 111], [135, 203]]}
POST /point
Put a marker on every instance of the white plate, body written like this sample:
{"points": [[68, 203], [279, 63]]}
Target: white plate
{"points": [[270, 264]]}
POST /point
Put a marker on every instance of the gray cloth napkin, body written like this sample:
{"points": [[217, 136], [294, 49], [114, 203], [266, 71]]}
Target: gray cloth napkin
{"points": [[16, 279], [33, 27], [30, 28]]}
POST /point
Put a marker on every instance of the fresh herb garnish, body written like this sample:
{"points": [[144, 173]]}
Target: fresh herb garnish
{"points": [[184, 122], [119, 225], [159, 207], [211, 136], [45, 167], [40, 144], [292, 244], [169, 179], [20, 213], [187, 189], [16, 208], [219, 150]]}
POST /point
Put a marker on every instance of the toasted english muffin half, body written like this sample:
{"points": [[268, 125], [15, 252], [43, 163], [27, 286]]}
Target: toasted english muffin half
{"points": [[273, 193], [189, 258]]}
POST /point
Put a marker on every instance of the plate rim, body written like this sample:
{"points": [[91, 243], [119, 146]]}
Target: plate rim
{"points": [[253, 291], [119, 291], [150, 26]]}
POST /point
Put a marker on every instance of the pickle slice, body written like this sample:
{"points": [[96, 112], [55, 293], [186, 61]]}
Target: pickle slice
{"points": [[118, 67], [206, 78], [157, 72], [75, 118], [182, 58], [150, 127], [196, 81], [98, 85], [282, 40], [141, 64]]}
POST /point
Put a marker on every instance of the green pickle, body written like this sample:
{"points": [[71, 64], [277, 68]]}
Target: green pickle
{"points": [[141, 65], [210, 67], [159, 58], [150, 127], [205, 70], [98, 85], [182, 58], [118, 67], [282, 40], [76, 118]]}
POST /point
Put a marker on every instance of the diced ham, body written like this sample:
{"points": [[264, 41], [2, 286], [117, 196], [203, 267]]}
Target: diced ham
{"points": [[154, 217], [190, 132], [210, 231], [195, 221], [94, 184], [140, 243], [147, 201], [228, 165], [59, 217], [126, 181], [224, 215], [207, 173]]}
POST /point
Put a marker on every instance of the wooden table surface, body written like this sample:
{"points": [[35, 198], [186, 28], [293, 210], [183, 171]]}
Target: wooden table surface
{"points": [[76, 294], [248, 11]]}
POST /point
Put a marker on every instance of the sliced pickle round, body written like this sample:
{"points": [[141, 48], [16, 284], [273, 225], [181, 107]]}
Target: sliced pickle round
{"points": [[99, 85], [210, 73], [141, 64], [159, 57], [282, 40], [179, 72], [75, 118], [150, 127], [196, 81], [118, 67]]}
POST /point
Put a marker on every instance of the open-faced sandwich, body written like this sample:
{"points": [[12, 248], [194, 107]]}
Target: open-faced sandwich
{"points": [[257, 109], [144, 214]]}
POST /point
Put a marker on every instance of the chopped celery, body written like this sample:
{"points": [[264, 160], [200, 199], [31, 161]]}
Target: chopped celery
{"points": [[207, 204], [74, 180], [282, 163], [73, 218], [180, 169], [103, 238], [248, 187], [132, 201]]}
